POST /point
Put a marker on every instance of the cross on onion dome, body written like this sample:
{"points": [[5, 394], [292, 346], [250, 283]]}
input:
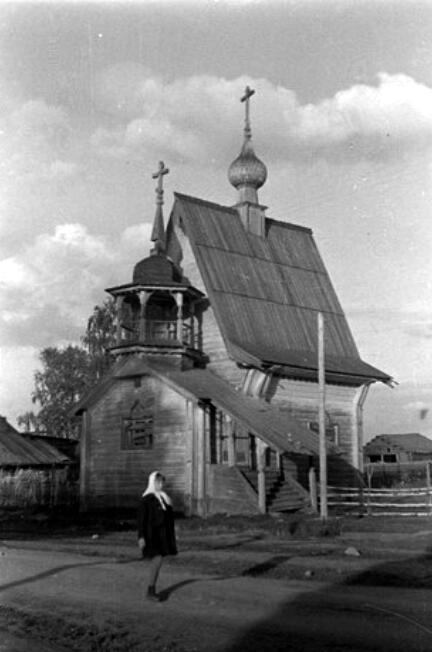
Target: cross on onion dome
{"points": [[246, 97]]}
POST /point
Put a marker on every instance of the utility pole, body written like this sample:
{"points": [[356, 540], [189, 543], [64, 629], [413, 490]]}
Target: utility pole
{"points": [[321, 419]]}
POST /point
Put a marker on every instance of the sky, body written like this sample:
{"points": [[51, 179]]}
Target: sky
{"points": [[93, 95]]}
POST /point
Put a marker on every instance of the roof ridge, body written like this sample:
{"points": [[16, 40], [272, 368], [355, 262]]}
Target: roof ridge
{"points": [[232, 209], [205, 202]]}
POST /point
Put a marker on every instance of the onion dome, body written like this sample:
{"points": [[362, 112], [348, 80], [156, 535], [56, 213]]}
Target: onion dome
{"points": [[247, 173], [157, 269], [247, 169]]}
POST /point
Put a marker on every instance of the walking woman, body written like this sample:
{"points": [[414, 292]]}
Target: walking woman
{"points": [[156, 534]]}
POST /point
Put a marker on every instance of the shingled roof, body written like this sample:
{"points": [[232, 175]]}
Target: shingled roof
{"points": [[266, 293], [17, 450], [410, 441]]}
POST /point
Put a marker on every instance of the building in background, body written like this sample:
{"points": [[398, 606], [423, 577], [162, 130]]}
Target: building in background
{"points": [[396, 449], [34, 473]]}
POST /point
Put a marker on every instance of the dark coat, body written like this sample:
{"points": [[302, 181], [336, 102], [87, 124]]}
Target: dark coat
{"points": [[156, 527]]}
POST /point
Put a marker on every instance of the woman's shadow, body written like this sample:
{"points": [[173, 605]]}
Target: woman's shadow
{"points": [[253, 571], [165, 593]]}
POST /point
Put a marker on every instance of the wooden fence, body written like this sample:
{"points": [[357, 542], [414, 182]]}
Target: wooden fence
{"points": [[44, 487], [400, 489], [380, 502]]}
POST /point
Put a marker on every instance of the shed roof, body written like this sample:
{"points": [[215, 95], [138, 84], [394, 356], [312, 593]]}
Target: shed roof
{"points": [[274, 426], [266, 292], [410, 441], [17, 450]]}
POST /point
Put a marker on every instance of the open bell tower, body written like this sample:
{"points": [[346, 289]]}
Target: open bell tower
{"points": [[160, 313]]}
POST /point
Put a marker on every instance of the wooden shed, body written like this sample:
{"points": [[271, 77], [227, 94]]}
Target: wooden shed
{"points": [[216, 379], [398, 448], [34, 473]]}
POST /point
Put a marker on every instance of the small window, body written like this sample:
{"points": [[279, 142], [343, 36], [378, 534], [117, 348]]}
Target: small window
{"points": [[390, 459], [373, 459], [331, 431], [137, 428], [137, 433]]}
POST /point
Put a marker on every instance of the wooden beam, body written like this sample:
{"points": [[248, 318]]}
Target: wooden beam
{"points": [[189, 458], [179, 301], [143, 297], [201, 450], [261, 449], [231, 441], [85, 449], [321, 414], [118, 308], [313, 489]]}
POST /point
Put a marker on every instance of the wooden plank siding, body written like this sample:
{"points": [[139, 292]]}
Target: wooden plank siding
{"points": [[300, 400], [117, 477]]}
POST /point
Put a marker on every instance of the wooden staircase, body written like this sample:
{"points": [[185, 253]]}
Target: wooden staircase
{"points": [[283, 493]]}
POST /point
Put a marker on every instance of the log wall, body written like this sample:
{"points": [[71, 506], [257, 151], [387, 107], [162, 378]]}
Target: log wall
{"points": [[117, 477]]}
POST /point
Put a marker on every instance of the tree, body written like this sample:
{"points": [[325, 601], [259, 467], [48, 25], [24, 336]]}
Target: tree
{"points": [[30, 422], [99, 337], [68, 373], [64, 378]]}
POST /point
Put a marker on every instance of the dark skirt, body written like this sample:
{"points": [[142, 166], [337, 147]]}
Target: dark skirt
{"points": [[156, 527]]}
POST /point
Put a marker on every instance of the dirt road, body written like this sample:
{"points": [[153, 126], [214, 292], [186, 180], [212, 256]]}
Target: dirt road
{"points": [[76, 602]]}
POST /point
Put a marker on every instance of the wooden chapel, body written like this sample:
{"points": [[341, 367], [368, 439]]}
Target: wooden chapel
{"points": [[215, 381]]}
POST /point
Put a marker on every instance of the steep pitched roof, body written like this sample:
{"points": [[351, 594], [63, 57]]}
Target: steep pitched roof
{"points": [[266, 292], [17, 450], [411, 441]]}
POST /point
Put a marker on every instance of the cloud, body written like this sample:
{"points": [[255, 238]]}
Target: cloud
{"points": [[198, 118], [369, 121], [416, 406], [419, 330], [17, 365], [36, 140], [49, 290]]}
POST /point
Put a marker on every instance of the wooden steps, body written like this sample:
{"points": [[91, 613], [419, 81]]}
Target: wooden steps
{"points": [[283, 493]]}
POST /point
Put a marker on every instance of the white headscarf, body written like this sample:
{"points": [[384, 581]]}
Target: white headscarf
{"points": [[162, 497]]}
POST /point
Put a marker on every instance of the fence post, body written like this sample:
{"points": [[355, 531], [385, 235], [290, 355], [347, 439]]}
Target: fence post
{"points": [[313, 489], [369, 471], [428, 483]]}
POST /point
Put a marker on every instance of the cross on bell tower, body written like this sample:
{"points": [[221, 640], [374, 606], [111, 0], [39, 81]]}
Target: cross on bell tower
{"points": [[160, 312], [158, 231]]}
